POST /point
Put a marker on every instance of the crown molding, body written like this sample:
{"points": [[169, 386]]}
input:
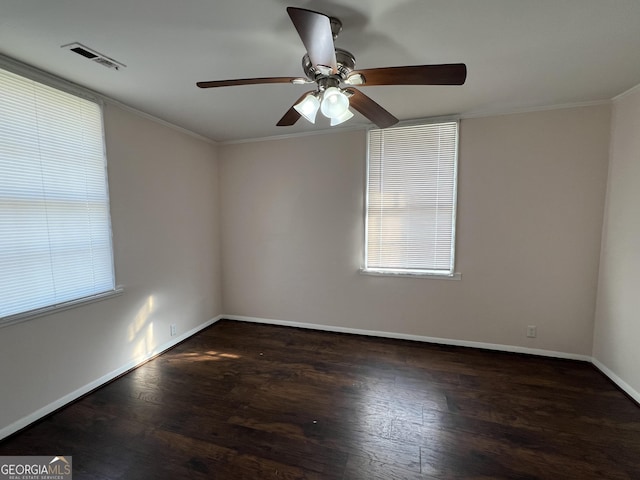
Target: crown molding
{"points": [[287, 136], [626, 93], [532, 109]]}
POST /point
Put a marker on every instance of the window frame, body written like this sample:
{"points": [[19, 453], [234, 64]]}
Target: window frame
{"points": [[413, 273], [36, 75]]}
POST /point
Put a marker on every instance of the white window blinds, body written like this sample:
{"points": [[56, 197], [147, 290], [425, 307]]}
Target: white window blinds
{"points": [[55, 233], [411, 199]]}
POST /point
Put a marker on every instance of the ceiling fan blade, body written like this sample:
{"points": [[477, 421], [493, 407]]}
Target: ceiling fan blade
{"points": [[315, 32], [292, 114], [447, 74], [247, 81], [370, 109]]}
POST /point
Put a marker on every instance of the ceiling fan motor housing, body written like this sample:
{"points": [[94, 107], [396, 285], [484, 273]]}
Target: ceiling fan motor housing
{"points": [[345, 60]]}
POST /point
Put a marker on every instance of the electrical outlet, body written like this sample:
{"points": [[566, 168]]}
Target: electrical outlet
{"points": [[532, 331], [172, 328]]}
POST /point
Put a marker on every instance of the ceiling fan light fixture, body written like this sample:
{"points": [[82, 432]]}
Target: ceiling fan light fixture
{"points": [[334, 103], [342, 118], [308, 107]]}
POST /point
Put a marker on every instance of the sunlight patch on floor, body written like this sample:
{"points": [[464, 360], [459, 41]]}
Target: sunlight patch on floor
{"points": [[203, 356]]}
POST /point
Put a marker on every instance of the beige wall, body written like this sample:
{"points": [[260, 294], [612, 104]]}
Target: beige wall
{"points": [[531, 195], [617, 332], [164, 208]]}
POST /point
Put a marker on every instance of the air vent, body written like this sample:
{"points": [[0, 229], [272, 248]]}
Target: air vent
{"points": [[93, 55], [83, 52]]}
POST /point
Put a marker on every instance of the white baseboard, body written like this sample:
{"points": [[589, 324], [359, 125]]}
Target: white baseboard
{"points": [[418, 338], [628, 389], [61, 402]]}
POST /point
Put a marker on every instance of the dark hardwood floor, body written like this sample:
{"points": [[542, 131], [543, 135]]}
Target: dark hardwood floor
{"points": [[249, 401]]}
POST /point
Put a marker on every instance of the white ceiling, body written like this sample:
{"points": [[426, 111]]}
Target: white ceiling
{"points": [[520, 54]]}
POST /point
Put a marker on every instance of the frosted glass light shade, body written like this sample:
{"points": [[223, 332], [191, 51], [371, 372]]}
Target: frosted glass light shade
{"points": [[334, 103], [308, 107], [342, 118]]}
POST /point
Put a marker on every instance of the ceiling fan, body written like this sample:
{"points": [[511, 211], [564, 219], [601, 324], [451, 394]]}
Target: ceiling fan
{"points": [[333, 71]]}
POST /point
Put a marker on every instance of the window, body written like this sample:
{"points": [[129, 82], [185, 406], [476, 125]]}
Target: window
{"points": [[55, 231], [411, 200]]}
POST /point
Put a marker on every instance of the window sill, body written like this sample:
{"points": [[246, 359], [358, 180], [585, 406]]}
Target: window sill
{"points": [[388, 273], [39, 312]]}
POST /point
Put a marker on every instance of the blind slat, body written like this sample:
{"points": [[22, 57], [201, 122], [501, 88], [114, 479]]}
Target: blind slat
{"points": [[411, 198]]}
